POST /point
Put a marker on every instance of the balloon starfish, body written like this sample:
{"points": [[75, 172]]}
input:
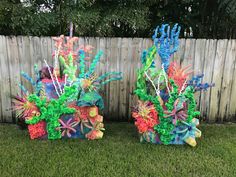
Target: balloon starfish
{"points": [[178, 113], [67, 127]]}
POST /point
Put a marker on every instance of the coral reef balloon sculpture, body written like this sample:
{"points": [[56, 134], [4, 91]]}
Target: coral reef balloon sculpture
{"points": [[65, 102], [166, 112]]}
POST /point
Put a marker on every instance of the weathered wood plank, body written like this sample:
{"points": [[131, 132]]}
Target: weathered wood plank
{"points": [[215, 94], [199, 63], [38, 55], [130, 66], [5, 84], [114, 86], [202, 93], [232, 101], [98, 69], [50, 51], [227, 80], [102, 65], [14, 67], [92, 42], [86, 42], [45, 52], [179, 54], [107, 86], [1, 82], [81, 41], [124, 60], [189, 56], [25, 61], [208, 70], [117, 69], [137, 46]]}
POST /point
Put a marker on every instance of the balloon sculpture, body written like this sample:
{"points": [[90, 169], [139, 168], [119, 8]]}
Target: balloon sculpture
{"points": [[66, 100], [166, 113]]}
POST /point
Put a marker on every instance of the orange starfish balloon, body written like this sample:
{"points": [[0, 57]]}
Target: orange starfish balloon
{"points": [[178, 74]]}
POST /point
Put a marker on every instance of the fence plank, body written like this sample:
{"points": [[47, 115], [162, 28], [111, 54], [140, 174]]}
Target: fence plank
{"points": [[227, 78], [137, 46], [106, 68], [217, 79], [232, 101], [226, 82], [2, 57], [114, 86], [98, 68], [24, 58], [92, 42], [51, 50], [199, 63], [102, 65], [123, 84], [45, 55], [14, 67], [117, 69], [5, 85], [1, 80], [189, 55], [208, 70], [179, 54]]}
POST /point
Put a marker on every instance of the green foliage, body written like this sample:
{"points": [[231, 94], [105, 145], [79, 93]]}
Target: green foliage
{"points": [[189, 94], [166, 126], [51, 111], [19, 19], [70, 68], [129, 18], [141, 82]]}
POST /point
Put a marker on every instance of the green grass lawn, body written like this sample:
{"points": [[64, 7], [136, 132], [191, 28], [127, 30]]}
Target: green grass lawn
{"points": [[119, 153]]}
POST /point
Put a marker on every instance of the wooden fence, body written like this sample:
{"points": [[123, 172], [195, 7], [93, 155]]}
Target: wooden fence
{"points": [[215, 58]]}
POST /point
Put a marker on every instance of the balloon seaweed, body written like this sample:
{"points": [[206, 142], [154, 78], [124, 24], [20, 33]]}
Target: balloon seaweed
{"points": [[170, 92], [66, 97], [166, 42]]}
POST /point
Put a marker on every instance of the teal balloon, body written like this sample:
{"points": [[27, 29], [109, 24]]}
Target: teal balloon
{"points": [[91, 99]]}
